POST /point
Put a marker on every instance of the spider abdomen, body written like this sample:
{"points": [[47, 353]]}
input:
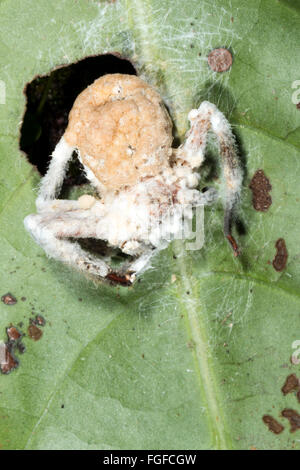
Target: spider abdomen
{"points": [[121, 129]]}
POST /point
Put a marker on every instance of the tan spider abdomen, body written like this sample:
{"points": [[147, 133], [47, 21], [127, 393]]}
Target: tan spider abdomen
{"points": [[122, 130]]}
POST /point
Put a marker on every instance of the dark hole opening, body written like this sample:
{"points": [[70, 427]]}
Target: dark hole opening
{"points": [[49, 101]]}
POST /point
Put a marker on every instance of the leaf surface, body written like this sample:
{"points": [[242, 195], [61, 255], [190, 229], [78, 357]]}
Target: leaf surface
{"points": [[190, 364]]}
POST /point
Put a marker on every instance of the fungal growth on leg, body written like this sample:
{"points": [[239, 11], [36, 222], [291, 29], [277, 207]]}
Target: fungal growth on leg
{"points": [[122, 134]]}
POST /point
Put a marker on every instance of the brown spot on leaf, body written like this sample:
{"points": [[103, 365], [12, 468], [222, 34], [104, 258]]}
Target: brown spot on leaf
{"points": [[279, 262], [34, 332], [260, 186], [293, 417], [291, 384], [8, 361], [298, 396], [298, 105], [273, 424], [220, 60], [39, 320], [13, 333], [8, 299]]}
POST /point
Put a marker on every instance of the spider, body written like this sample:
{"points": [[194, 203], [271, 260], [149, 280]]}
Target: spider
{"points": [[122, 134]]}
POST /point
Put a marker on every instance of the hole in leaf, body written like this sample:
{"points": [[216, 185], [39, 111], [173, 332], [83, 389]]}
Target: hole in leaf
{"points": [[49, 101]]}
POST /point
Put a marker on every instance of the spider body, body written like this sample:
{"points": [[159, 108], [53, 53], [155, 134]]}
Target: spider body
{"points": [[122, 130], [122, 134]]}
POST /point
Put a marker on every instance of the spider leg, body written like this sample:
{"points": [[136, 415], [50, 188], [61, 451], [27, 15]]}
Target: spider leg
{"points": [[208, 117], [51, 230], [141, 263], [57, 220], [52, 181], [57, 205]]}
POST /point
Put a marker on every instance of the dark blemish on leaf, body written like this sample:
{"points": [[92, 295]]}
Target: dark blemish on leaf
{"points": [[13, 333], [62, 406], [298, 105], [39, 320], [8, 299], [293, 417], [260, 186], [279, 262], [220, 60], [273, 424], [34, 332], [8, 361], [23, 299], [291, 384], [21, 347]]}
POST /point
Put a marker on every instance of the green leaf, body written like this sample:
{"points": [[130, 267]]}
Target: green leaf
{"points": [[192, 362]]}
